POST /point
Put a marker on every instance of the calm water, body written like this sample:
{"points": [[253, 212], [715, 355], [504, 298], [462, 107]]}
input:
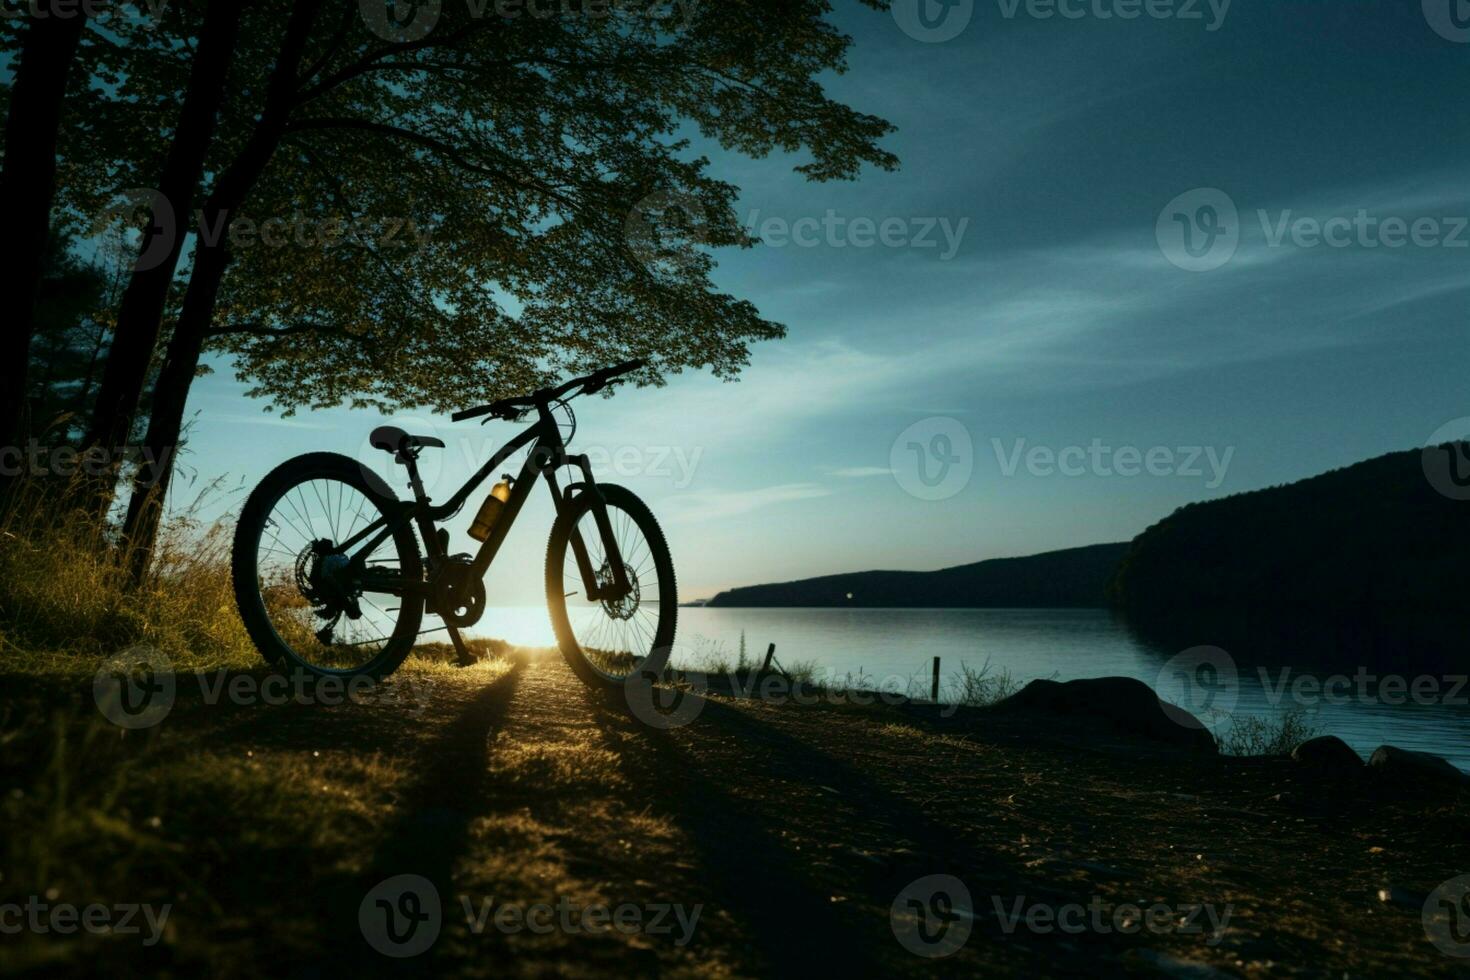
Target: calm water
{"points": [[892, 648]]}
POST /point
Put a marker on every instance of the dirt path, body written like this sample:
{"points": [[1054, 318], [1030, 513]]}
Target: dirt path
{"points": [[760, 839]]}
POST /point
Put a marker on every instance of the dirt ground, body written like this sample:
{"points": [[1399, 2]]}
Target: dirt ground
{"points": [[559, 834]]}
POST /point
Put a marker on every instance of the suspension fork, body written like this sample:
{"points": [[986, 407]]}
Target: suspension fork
{"points": [[620, 584]]}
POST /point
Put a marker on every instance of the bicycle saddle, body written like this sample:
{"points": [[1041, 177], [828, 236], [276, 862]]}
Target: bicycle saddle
{"points": [[392, 439]]}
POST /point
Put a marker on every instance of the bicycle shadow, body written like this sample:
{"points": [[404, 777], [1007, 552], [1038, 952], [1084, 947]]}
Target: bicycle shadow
{"points": [[430, 837], [355, 717], [733, 784]]}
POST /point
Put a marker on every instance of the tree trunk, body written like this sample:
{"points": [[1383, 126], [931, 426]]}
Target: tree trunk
{"points": [[140, 314], [166, 417], [171, 391], [28, 186]]}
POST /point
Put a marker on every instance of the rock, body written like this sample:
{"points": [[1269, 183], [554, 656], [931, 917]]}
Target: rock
{"points": [[1421, 768], [1121, 703], [1327, 751]]}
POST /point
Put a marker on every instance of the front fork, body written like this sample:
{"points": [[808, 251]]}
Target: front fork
{"points": [[595, 591]]}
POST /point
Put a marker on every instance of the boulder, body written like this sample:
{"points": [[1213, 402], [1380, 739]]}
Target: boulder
{"points": [[1416, 768], [1121, 704], [1327, 752]]}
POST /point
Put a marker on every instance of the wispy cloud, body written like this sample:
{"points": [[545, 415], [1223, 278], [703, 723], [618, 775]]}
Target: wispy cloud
{"points": [[274, 421], [856, 472], [710, 505]]}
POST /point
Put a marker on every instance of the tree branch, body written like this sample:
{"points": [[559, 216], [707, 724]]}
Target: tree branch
{"points": [[258, 329], [430, 143]]}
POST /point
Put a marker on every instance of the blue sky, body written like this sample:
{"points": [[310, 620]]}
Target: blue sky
{"points": [[1053, 316]]}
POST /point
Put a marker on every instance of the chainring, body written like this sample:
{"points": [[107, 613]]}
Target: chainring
{"points": [[456, 594]]}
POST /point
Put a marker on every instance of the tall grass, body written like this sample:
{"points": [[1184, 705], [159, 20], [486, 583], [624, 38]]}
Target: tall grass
{"points": [[974, 687], [1252, 735], [970, 687], [66, 597]]}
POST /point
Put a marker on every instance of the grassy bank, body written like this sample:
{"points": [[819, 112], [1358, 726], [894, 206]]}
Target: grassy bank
{"points": [[65, 596]]}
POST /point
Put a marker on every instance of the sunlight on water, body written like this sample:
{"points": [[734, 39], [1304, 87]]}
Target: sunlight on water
{"points": [[894, 646]]}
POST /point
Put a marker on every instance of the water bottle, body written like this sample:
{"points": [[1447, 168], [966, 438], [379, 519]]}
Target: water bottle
{"points": [[491, 508]]}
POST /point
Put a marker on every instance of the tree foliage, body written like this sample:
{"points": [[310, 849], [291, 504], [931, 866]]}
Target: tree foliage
{"points": [[70, 340], [518, 148]]}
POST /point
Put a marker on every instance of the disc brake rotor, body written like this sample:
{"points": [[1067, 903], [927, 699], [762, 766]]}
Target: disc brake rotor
{"points": [[625, 606]]}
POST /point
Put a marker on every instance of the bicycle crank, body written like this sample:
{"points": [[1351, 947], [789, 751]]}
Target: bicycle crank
{"points": [[456, 594]]}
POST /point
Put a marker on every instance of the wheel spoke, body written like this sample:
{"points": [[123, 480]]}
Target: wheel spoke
{"points": [[311, 596], [615, 635]]}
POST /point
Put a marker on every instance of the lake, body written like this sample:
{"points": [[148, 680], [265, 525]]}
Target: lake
{"points": [[893, 649]]}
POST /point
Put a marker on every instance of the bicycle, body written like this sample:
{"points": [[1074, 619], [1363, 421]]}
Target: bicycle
{"points": [[311, 591]]}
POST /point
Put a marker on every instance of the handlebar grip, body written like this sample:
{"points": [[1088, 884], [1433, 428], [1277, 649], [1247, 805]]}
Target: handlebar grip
{"points": [[598, 380], [472, 413], [624, 367]]}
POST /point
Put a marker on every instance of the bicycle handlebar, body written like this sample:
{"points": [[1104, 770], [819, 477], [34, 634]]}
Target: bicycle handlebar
{"points": [[590, 384], [598, 380]]}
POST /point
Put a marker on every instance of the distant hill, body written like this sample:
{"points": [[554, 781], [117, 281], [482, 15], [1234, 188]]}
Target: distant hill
{"points": [[1372, 537], [1372, 534], [1074, 577]]}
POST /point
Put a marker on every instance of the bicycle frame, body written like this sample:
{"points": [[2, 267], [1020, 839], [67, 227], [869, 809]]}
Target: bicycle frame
{"points": [[548, 453]]}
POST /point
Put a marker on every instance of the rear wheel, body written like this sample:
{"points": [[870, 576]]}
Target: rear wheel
{"points": [[303, 600], [606, 640]]}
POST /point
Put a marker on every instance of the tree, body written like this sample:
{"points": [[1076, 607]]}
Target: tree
{"points": [[140, 314], [28, 185], [548, 164], [69, 341]]}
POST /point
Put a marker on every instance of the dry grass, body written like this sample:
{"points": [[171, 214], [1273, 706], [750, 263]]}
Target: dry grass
{"points": [[975, 687], [1250, 735], [65, 598], [133, 818], [66, 602], [185, 813]]}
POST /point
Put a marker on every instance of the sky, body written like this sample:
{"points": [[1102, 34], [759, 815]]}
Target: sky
{"points": [[1126, 264]]}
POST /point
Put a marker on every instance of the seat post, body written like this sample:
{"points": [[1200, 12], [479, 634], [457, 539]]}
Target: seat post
{"points": [[410, 459]]}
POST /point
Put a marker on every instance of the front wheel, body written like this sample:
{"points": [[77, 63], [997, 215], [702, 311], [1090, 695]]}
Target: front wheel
{"points": [[604, 639]]}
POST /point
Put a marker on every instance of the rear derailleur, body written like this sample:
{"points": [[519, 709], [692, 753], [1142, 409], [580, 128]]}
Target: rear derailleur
{"points": [[325, 579]]}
